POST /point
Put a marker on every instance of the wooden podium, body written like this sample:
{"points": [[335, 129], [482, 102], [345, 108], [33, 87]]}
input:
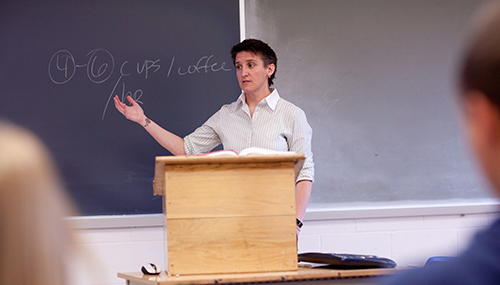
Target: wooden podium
{"points": [[228, 214]]}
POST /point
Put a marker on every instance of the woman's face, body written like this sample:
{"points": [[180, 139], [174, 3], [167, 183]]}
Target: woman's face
{"points": [[252, 73]]}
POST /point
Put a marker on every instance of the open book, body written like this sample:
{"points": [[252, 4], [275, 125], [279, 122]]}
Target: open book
{"points": [[247, 151]]}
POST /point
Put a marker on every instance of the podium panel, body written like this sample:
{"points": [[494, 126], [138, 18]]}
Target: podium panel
{"points": [[231, 214]]}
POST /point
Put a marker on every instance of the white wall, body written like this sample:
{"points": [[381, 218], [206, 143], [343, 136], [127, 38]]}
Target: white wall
{"points": [[407, 240]]}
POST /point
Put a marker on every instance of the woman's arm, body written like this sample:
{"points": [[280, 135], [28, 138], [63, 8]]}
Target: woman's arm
{"points": [[135, 113], [302, 194], [168, 140]]}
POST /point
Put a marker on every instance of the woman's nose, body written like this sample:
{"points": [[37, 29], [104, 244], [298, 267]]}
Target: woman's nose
{"points": [[244, 71]]}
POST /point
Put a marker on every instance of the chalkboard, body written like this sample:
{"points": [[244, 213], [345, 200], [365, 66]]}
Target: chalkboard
{"points": [[376, 80], [62, 61]]}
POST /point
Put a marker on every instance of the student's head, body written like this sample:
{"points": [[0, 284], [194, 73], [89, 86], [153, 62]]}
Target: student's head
{"points": [[34, 238], [480, 89], [481, 65], [262, 50]]}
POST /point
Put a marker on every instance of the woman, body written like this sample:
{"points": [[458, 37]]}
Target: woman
{"points": [[35, 242], [259, 118]]}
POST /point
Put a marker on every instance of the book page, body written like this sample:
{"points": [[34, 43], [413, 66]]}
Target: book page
{"points": [[222, 153], [258, 150]]}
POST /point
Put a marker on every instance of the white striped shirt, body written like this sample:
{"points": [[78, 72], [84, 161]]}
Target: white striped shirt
{"points": [[276, 124]]}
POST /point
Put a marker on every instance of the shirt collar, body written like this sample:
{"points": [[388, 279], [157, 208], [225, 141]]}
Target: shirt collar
{"points": [[271, 100]]}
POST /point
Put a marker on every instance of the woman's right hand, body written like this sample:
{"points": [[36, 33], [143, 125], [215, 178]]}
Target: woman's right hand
{"points": [[134, 112]]}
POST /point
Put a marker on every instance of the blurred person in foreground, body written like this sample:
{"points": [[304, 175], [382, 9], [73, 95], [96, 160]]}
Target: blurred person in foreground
{"points": [[36, 244], [480, 98]]}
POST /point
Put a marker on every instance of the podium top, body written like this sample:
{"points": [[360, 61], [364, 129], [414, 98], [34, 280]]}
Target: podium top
{"points": [[162, 161]]}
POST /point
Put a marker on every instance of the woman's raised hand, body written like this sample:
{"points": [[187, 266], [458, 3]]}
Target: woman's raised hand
{"points": [[133, 113]]}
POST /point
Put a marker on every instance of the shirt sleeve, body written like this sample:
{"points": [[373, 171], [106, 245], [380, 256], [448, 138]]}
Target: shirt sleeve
{"points": [[204, 138], [301, 143]]}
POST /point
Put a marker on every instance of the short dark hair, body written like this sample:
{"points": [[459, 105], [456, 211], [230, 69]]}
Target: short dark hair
{"points": [[481, 63], [261, 49]]}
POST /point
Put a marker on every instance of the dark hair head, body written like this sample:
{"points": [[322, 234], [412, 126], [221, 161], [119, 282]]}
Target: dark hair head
{"points": [[261, 49], [481, 63]]}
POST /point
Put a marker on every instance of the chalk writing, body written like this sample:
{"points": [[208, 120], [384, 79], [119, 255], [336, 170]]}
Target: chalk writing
{"points": [[62, 67], [146, 66], [204, 65], [100, 66]]}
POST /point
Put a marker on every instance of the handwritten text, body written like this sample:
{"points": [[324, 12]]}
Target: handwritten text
{"points": [[100, 65]]}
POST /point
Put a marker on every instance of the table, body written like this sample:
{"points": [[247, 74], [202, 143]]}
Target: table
{"points": [[303, 275]]}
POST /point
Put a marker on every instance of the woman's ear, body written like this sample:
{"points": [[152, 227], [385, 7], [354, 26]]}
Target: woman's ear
{"points": [[270, 69]]}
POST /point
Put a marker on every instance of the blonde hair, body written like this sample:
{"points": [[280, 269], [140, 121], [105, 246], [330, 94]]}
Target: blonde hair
{"points": [[34, 237]]}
